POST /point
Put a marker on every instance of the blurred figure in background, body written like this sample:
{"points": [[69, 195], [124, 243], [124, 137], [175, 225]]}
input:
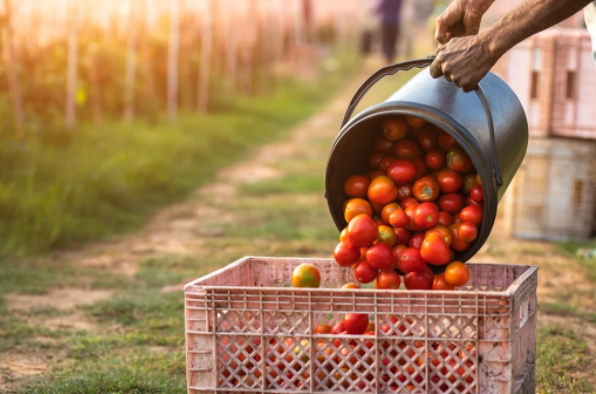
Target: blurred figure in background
{"points": [[389, 14]]}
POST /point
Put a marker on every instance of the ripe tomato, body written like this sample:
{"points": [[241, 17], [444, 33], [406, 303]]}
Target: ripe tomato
{"points": [[386, 162], [427, 138], [383, 145], [395, 128], [420, 167], [411, 261], [470, 201], [355, 207], [445, 219], [355, 323], [406, 202], [343, 236], [446, 142], [435, 159], [356, 186], [440, 284], [451, 203], [380, 256], [375, 159], [426, 189], [397, 253], [472, 213], [407, 149], [323, 328], [457, 243], [398, 218], [386, 235], [346, 254], [402, 236], [415, 121], [411, 211], [426, 215], [404, 191], [419, 280], [435, 250], [477, 194], [349, 285], [364, 272], [469, 181], [467, 231], [459, 161], [362, 231], [388, 280], [457, 274], [402, 171], [442, 232], [416, 241], [306, 275], [449, 181], [374, 174], [382, 190], [338, 328], [478, 179], [387, 210]]}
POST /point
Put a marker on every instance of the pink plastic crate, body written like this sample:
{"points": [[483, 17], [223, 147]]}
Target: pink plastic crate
{"points": [[248, 331]]}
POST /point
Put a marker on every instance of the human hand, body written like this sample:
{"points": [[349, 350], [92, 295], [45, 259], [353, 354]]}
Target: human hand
{"points": [[461, 18]]}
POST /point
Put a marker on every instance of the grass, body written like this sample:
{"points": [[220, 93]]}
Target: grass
{"points": [[589, 265]]}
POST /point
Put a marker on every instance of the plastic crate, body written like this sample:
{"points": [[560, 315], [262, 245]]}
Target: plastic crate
{"points": [[248, 331], [552, 196]]}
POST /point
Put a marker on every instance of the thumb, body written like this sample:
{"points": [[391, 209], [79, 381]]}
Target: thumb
{"points": [[441, 30], [449, 18]]}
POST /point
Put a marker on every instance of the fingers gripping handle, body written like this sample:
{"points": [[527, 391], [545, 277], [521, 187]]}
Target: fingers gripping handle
{"points": [[421, 63]]}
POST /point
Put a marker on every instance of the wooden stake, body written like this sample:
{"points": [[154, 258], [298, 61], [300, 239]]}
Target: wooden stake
{"points": [[13, 78]]}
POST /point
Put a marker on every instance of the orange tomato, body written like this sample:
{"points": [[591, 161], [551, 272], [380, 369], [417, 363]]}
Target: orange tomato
{"points": [[306, 275], [415, 121], [457, 243], [323, 328], [457, 274], [356, 186], [387, 280], [435, 250], [355, 207], [395, 128], [398, 218], [349, 285], [426, 189], [343, 235], [382, 190], [440, 284], [386, 235], [387, 210], [441, 231]]}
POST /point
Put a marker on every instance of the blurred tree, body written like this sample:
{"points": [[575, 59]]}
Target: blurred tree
{"points": [[129, 88], [13, 79], [71, 84], [206, 50], [173, 59]]}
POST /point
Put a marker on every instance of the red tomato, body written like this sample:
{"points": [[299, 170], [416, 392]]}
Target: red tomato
{"points": [[445, 219], [338, 328], [459, 161], [435, 250], [469, 182], [375, 159], [416, 240], [406, 202], [457, 274], [457, 243], [362, 231], [374, 174], [386, 162], [355, 323], [426, 189], [404, 191], [382, 144], [449, 181], [467, 231], [426, 215], [398, 218], [355, 207], [421, 280], [364, 272], [397, 253], [446, 142], [472, 213], [435, 159], [411, 261], [402, 171], [402, 236], [386, 235], [382, 191], [388, 280], [411, 211], [323, 329], [442, 232], [395, 129], [451, 203], [356, 186], [420, 167], [470, 201], [427, 138], [346, 254], [477, 194], [407, 149], [380, 256], [387, 210], [440, 284], [343, 236], [415, 121]]}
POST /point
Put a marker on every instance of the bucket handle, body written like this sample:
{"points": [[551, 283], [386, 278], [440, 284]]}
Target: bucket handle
{"points": [[421, 63]]}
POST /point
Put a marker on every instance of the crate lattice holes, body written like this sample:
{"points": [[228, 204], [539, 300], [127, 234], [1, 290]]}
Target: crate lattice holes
{"points": [[248, 331]]}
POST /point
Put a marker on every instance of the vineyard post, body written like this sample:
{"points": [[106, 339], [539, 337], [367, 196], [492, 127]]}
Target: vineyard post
{"points": [[173, 60], [13, 78]]}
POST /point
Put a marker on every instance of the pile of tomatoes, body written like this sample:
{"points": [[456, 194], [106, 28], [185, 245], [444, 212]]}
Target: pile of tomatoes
{"points": [[421, 202]]}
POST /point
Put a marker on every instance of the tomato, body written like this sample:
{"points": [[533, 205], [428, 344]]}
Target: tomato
{"points": [[472, 213], [458, 244], [386, 162], [470, 201], [411, 211], [445, 219], [398, 218], [451, 203], [382, 145], [478, 179], [355, 207], [406, 202], [375, 174], [382, 191], [469, 181], [349, 285], [449, 181], [402, 236], [440, 284], [375, 159], [362, 231], [420, 166], [323, 329], [386, 235], [456, 218], [388, 280], [435, 159], [458, 160], [378, 220], [415, 121], [435, 250], [416, 240], [380, 256], [395, 128], [343, 235], [364, 272], [388, 210], [426, 189], [377, 209], [402, 171], [346, 254], [411, 261], [356, 186], [306, 275], [407, 149], [477, 194], [442, 232], [397, 253], [420, 280], [467, 231], [338, 328], [427, 138], [457, 274], [446, 142], [355, 323], [404, 191], [426, 215]]}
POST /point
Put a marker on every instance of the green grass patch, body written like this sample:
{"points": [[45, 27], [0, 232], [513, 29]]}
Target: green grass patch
{"points": [[564, 309], [570, 249]]}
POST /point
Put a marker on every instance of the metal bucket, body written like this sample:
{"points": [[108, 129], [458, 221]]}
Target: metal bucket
{"points": [[490, 126]]}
